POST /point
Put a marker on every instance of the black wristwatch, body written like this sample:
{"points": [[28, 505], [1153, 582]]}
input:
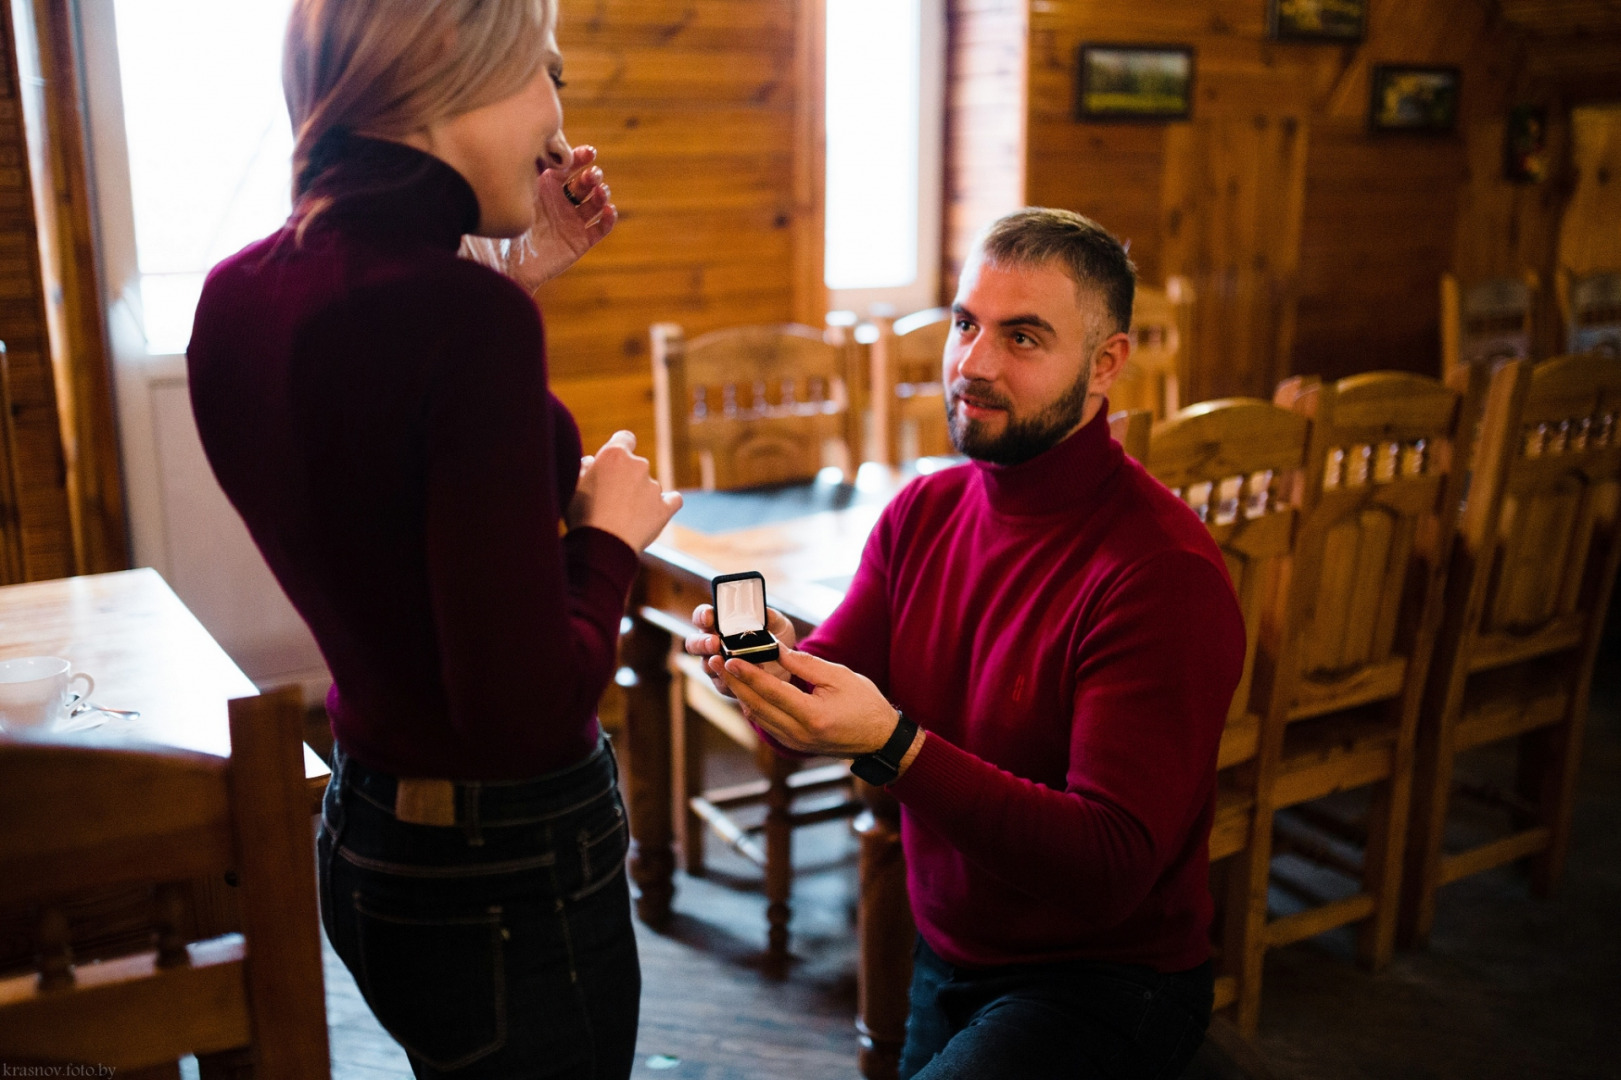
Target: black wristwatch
{"points": [[881, 766]]}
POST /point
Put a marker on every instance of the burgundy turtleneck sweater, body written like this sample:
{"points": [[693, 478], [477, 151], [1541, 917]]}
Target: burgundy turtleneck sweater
{"points": [[1066, 632], [377, 410]]}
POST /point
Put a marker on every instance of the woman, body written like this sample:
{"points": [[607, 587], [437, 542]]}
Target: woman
{"points": [[377, 410]]}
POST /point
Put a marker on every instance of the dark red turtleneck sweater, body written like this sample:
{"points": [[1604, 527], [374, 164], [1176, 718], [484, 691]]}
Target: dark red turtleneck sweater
{"points": [[377, 410], [1066, 632]]}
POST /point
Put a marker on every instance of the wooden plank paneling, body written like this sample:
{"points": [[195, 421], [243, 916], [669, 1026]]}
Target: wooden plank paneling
{"points": [[1313, 244], [70, 270], [985, 143], [1233, 198], [39, 466], [1378, 234], [693, 107]]}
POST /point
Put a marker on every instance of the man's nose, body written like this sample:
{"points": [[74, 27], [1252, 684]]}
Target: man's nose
{"points": [[977, 360]]}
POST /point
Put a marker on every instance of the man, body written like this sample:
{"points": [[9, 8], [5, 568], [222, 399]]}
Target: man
{"points": [[1036, 655]]}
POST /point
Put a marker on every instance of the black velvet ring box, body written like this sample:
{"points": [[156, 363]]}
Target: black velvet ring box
{"points": [[740, 617]]}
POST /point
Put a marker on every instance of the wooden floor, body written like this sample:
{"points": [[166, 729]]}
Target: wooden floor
{"points": [[1511, 988]]}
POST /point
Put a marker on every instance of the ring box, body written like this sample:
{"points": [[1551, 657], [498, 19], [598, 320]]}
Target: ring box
{"points": [[740, 617]]}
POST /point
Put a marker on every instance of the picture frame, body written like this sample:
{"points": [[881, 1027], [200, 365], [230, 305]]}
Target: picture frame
{"points": [[1412, 98], [1141, 83], [1317, 20], [1525, 144]]}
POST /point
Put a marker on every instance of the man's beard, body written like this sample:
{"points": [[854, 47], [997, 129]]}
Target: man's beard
{"points": [[1022, 439]]}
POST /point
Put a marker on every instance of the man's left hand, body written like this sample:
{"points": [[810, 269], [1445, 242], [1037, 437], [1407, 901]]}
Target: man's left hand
{"points": [[845, 715]]}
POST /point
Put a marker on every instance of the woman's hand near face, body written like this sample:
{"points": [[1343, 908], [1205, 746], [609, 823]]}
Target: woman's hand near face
{"points": [[564, 228], [617, 494]]}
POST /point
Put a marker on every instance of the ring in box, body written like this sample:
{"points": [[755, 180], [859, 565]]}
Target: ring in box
{"points": [[740, 617]]}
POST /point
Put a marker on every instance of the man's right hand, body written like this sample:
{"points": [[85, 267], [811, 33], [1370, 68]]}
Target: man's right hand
{"points": [[706, 643]]}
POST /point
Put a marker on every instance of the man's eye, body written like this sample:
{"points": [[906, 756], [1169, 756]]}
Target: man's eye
{"points": [[964, 326], [557, 80]]}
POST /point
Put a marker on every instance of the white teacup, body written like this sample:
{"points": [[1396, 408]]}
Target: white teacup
{"points": [[35, 692]]}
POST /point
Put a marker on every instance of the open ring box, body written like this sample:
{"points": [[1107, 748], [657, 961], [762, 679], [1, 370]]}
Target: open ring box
{"points": [[740, 617]]}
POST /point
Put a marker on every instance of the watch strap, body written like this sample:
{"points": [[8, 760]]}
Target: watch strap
{"points": [[884, 764]]}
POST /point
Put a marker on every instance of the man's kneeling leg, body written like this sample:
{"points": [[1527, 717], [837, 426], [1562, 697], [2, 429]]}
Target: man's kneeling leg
{"points": [[1069, 1020]]}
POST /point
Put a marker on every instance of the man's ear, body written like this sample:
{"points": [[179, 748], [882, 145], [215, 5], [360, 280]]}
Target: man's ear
{"points": [[1108, 363]]}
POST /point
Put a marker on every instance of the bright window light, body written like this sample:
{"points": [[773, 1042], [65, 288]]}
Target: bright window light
{"points": [[872, 143], [209, 143]]}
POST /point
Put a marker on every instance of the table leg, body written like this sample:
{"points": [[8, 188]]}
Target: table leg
{"points": [[886, 935], [647, 735]]}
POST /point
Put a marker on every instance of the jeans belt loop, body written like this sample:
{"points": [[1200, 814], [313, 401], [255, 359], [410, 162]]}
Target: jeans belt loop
{"points": [[420, 801]]}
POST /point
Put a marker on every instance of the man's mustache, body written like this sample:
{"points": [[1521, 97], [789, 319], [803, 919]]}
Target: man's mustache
{"points": [[979, 393]]}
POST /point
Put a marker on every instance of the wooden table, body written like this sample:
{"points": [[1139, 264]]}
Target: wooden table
{"points": [[807, 540], [146, 651]]}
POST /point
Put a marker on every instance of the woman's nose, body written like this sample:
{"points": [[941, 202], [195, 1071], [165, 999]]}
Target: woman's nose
{"points": [[558, 152]]}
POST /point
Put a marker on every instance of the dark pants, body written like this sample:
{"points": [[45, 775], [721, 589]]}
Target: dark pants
{"points": [[1077, 1020], [500, 946]]}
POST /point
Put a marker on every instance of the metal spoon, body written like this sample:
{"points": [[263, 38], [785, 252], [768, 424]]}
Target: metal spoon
{"points": [[91, 706]]}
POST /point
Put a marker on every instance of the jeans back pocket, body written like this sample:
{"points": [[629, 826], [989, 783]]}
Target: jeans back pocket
{"points": [[436, 983], [603, 844]]}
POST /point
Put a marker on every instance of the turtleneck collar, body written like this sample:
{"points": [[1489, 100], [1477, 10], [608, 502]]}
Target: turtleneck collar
{"points": [[1058, 480], [390, 188]]}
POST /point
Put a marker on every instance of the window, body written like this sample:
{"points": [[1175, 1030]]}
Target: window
{"points": [[208, 144], [884, 92]]}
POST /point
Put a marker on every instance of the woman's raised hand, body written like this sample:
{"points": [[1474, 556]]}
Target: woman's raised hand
{"points": [[572, 213], [617, 494]]}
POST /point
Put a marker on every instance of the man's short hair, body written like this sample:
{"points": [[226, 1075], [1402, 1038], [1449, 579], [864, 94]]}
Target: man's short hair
{"points": [[1085, 250]]}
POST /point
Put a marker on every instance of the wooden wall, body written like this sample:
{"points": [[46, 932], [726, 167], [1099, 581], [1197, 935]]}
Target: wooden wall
{"points": [[1314, 246], [41, 511], [702, 113]]}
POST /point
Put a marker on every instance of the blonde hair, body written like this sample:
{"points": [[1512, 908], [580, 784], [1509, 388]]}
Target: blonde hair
{"points": [[385, 68]]}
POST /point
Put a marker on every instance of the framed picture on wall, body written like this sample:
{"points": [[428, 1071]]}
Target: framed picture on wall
{"points": [[1317, 20], [1416, 99], [1134, 82], [1525, 144]]}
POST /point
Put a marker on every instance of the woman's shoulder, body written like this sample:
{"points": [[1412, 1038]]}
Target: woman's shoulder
{"points": [[446, 288]]}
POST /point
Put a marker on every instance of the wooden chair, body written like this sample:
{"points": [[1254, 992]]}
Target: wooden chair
{"points": [[1240, 464], [1131, 428], [1591, 306], [908, 400], [1533, 566], [751, 405], [82, 819], [1161, 332], [1486, 321], [1342, 672], [735, 408]]}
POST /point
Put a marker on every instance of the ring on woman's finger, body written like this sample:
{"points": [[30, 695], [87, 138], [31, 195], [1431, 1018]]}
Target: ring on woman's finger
{"points": [[570, 196]]}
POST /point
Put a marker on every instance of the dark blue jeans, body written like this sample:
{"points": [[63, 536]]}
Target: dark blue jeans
{"points": [[500, 946], [1077, 1020]]}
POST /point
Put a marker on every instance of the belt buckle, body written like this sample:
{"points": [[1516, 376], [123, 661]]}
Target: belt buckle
{"points": [[425, 802]]}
